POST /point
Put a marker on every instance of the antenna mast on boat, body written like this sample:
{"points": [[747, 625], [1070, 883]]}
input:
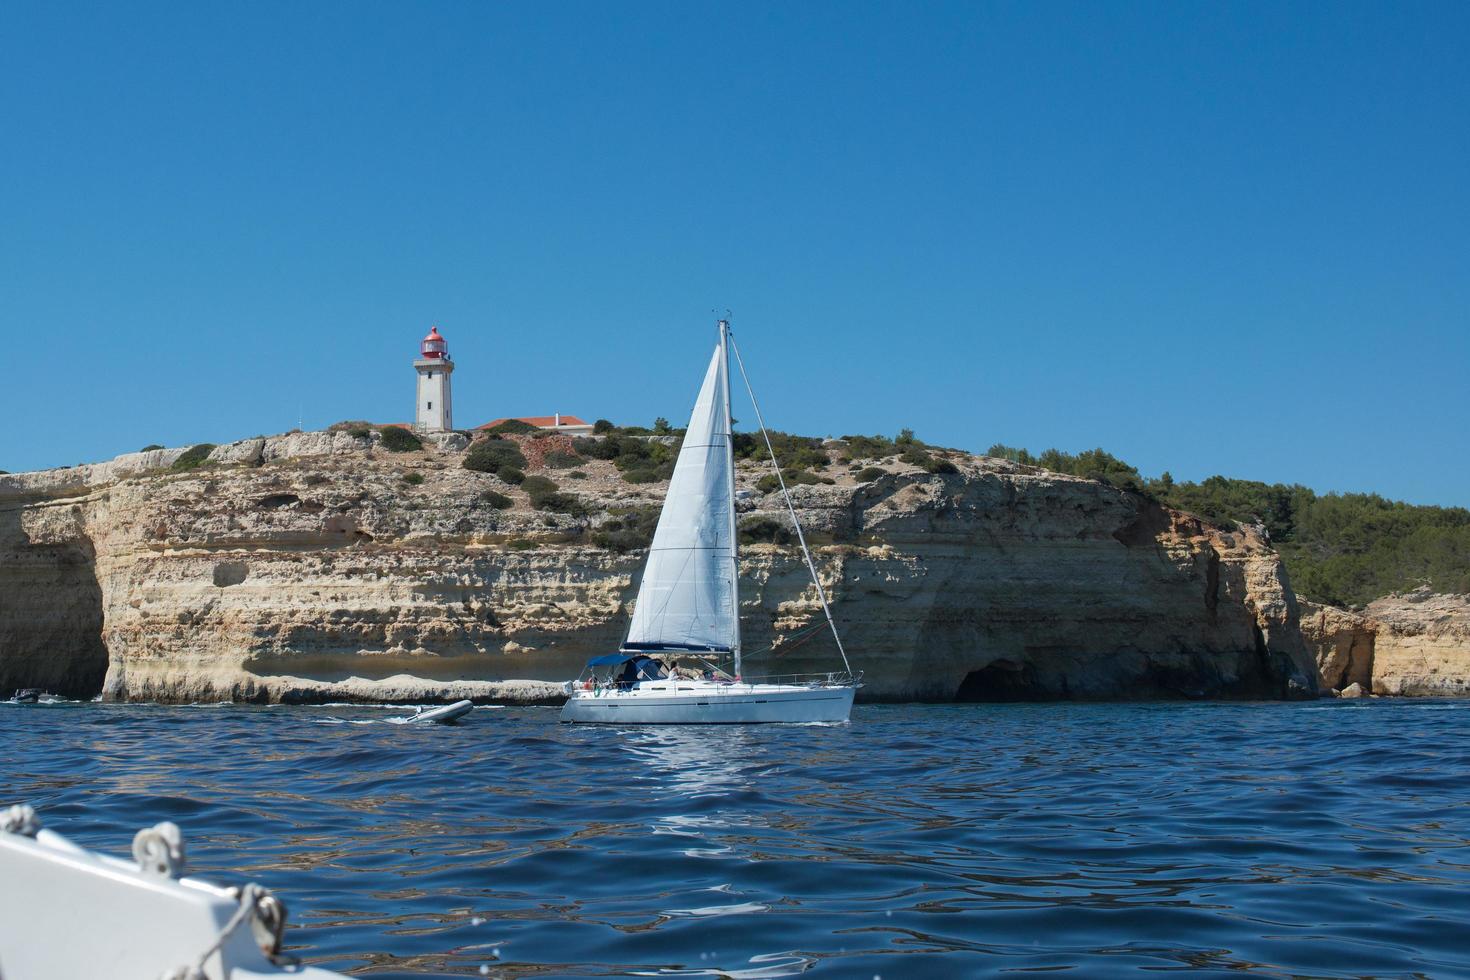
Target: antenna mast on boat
{"points": [[785, 494], [730, 485]]}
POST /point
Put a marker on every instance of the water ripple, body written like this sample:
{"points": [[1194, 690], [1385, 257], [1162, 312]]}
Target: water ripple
{"points": [[1283, 840]]}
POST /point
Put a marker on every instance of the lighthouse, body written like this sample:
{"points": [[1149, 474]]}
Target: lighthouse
{"points": [[434, 412]]}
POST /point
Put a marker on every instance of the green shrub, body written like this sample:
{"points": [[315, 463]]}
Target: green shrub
{"points": [[150, 447], [363, 433], [765, 530], [537, 485], [916, 456], [602, 426], [869, 447], [510, 474], [414, 479], [513, 427], [545, 496], [397, 439], [193, 457], [519, 544], [634, 453], [560, 503], [559, 460], [938, 465], [496, 501], [597, 448], [493, 455], [349, 425], [643, 461], [631, 531], [795, 452], [661, 426], [870, 473], [576, 475], [794, 478]]}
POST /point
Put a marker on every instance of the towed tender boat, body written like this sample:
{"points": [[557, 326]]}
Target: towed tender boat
{"points": [[444, 714], [681, 662]]}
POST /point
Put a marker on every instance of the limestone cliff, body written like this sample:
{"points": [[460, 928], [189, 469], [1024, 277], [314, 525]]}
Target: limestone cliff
{"points": [[1414, 644], [318, 566]]}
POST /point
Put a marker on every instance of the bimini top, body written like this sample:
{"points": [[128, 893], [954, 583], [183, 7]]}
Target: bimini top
{"points": [[638, 651], [613, 658]]}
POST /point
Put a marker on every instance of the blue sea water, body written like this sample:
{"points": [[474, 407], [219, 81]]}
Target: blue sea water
{"points": [[1328, 839]]}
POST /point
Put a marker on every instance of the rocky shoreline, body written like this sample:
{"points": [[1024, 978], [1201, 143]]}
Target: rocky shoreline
{"points": [[320, 566]]}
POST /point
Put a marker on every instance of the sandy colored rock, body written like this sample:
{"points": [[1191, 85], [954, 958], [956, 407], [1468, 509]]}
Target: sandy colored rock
{"points": [[1412, 644], [1341, 642], [324, 568], [1421, 645]]}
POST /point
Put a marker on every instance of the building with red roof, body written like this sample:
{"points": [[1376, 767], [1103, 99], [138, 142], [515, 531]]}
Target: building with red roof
{"points": [[568, 424]]}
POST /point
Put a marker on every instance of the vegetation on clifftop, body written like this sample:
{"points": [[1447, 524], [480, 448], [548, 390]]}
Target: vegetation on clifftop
{"points": [[193, 457], [493, 456], [1340, 548], [399, 440]]}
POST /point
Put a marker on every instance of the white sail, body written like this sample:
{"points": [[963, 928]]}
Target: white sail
{"points": [[687, 599]]}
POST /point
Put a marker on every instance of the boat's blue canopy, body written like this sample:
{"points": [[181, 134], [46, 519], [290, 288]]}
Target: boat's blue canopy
{"points": [[613, 658], [637, 651]]}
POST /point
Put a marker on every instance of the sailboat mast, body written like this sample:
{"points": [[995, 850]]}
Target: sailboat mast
{"points": [[730, 479]]}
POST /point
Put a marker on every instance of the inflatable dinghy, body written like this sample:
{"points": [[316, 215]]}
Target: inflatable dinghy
{"points": [[66, 912], [443, 715]]}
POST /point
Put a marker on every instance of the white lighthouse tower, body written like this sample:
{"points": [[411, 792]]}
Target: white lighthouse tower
{"points": [[435, 412]]}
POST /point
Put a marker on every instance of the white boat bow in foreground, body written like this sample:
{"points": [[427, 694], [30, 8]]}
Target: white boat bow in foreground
{"points": [[67, 913]]}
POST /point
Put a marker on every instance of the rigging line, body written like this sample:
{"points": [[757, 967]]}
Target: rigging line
{"points": [[794, 641], [786, 495]]}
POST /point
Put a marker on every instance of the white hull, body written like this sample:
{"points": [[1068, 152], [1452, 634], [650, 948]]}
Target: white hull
{"points": [[702, 703]]}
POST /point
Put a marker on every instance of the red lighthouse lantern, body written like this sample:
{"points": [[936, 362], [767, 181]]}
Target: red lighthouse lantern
{"points": [[435, 347]]}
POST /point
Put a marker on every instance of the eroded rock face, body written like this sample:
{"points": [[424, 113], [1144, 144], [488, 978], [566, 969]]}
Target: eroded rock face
{"points": [[316, 566], [1421, 644], [1414, 644], [1342, 644]]}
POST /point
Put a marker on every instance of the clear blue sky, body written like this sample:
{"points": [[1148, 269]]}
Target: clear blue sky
{"points": [[1211, 238]]}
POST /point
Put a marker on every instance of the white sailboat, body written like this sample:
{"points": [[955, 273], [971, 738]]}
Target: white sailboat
{"points": [[681, 662]]}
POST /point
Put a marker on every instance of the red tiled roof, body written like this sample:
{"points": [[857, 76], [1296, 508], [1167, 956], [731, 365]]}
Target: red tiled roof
{"points": [[539, 421]]}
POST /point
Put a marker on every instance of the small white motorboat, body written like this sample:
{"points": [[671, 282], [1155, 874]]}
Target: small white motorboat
{"points": [[67, 913], [688, 605], [444, 714]]}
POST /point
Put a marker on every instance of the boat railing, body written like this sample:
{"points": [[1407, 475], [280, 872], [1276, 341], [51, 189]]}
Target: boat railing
{"points": [[591, 684], [829, 679]]}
